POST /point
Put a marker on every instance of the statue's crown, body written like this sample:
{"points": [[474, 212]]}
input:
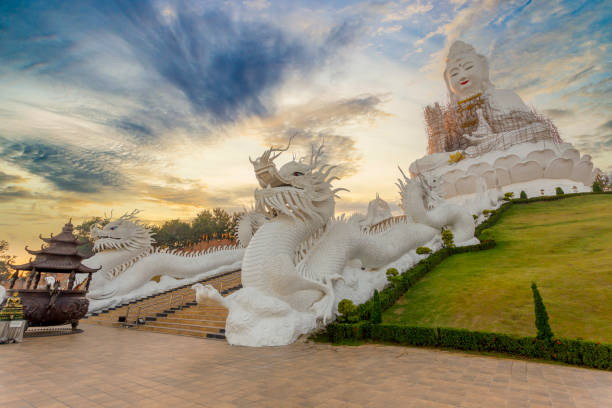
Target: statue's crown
{"points": [[459, 48]]}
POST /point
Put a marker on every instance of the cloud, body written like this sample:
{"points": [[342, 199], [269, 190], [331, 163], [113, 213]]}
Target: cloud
{"points": [[68, 168], [312, 124], [257, 4], [10, 178], [406, 12], [134, 129], [389, 29], [559, 113], [467, 18], [598, 142], [194, 194], [224, 67], [606, 126], [10, 193]]}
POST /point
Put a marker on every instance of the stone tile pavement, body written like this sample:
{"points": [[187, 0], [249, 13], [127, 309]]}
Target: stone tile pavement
{"points": [[110, 367]]}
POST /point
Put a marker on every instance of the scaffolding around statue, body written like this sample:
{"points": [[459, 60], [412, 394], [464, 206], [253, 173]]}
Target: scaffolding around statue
{"points": [[446, 126]]}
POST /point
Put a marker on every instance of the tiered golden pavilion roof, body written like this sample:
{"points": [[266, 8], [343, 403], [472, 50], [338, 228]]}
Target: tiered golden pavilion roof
{"points": [[60, 256]]}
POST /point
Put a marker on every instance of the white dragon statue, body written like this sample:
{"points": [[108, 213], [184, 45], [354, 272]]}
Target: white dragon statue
{"points": [[123, 248], [298, 255], [421, 202]]}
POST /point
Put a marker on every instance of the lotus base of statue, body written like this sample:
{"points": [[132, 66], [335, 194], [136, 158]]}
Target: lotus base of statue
{"points": [[515, 168]]}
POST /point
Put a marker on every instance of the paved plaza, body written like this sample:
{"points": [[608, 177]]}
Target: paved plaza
{"points": [[108, 367]]}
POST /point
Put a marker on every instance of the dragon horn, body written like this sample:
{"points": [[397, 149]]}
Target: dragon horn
{"points": [[403, 174], [280, 150]]}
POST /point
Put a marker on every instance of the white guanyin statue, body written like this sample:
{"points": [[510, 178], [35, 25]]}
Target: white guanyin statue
{"points": [[485, 136], [472, 94]]}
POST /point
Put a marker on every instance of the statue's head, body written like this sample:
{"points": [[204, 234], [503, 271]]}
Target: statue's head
{"points": [[466, 73]]}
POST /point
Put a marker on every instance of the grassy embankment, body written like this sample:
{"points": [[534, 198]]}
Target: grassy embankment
{"points": [[564, 246]]}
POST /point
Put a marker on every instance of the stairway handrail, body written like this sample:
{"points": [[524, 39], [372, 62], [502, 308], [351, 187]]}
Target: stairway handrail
{"points": [[172, 295]]}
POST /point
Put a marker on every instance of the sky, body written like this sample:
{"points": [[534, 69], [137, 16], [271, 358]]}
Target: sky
{"points": [[157, 105]]}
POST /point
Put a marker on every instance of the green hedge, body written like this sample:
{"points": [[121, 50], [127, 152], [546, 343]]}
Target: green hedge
{"points": [[576, 352], [553, 198]]}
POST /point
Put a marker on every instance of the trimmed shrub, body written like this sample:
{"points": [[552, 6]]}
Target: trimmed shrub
{"points": [[523, 195], [348, 311], [392, 275], [376, 316], [544, 330], [508, 196], [474, 216], [600, 183], [392, 272], [559, 191], [447, 238], [597, 188], [423, 250]]}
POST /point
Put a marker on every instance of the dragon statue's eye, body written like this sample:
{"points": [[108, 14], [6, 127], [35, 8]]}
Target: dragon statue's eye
{"points": [[297, 173]]}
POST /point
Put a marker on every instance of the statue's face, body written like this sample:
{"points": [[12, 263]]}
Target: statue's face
{"points": [[465, 75]]}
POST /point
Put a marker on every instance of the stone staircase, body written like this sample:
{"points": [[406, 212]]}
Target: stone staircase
{"points": [[198, 320], [174, 311]]}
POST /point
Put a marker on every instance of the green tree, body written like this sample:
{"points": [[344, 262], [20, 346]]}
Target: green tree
{"points": [[544, 330], [203, 224], [376, 316], [5, 259], [222, 220], [173, 234], [447, 238], [600, 183]]}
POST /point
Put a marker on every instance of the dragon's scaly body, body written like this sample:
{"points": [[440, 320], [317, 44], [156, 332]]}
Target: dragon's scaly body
{"points": [[124, 251]]}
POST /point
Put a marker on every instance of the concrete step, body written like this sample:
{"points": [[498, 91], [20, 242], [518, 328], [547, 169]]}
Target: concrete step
{"points": [[211, 307], [182, 332], [202, 322], [195, 327], [106, 323], [200, 316]]}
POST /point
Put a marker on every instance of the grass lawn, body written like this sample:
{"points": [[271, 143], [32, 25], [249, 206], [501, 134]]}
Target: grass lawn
{"points": [[564, 246]]}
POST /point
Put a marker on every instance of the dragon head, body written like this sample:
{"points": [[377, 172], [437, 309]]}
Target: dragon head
{"points": [[299, 189], [123, 233], [378, 210], [417, 190]]}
